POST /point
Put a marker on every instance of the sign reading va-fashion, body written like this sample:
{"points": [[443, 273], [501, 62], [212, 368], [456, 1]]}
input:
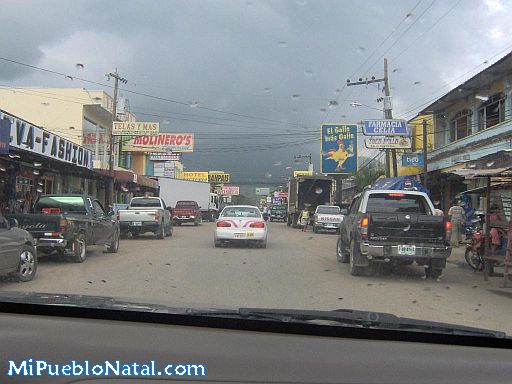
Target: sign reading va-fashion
{"points": [[164, 142], [34, 139], [386, 127], [121, 128], [338, 148]]}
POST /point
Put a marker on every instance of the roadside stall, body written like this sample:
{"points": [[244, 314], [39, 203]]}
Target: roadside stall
{"points": [[494, 198]]}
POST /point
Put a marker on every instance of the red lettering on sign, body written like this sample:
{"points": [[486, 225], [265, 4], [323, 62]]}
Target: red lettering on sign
{"points": [[173, 140], [167, 139], [145, 140], [188, 140], [179, 140]]}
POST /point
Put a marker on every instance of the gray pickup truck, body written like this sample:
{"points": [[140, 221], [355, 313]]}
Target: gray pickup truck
{"points": [[393, 227], [146, 214]]}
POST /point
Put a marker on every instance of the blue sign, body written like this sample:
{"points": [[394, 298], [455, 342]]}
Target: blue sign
{"points": [[5, 135], [412, 160], [339, 149], [386, 127]]}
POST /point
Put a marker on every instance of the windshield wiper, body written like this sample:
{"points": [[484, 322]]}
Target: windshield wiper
{"points": [[350, 317]]}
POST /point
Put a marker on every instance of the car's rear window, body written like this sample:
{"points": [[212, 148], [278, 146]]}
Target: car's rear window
{"points": [[186, 204], [397, 203], [145, 203], [66, 204], [328, 210], [241, 212]]}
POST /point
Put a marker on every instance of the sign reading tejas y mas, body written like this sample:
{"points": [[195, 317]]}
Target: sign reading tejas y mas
{"points": [[121, 128], [339, 148], [218, 177], [164, 142], [31, 138]]}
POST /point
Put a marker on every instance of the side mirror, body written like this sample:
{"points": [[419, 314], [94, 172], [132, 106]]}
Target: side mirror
{"points": [[13, 222]]}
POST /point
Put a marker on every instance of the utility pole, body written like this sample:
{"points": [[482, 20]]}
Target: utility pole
{"points": [[425, 153], [117, 78], [388, 113]]}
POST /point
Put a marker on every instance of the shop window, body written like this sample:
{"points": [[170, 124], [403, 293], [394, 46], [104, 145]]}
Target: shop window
{"points": [[491, 112], [460, 125]]}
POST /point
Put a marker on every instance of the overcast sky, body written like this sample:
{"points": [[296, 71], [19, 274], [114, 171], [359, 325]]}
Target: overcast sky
{"points": [[279, 62]]}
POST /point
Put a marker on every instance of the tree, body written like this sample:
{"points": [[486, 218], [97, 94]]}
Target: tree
{"points": [[367, 176]]}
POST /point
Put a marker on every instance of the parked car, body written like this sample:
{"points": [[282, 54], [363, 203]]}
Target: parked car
{"points": [[327, 217], [69, 223], [395, 228], [278, 213], [241, 223], [146, 214], [18, 254], [187, 211]]}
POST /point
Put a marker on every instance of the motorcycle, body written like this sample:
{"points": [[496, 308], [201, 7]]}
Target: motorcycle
{"points": [[475, 249]]}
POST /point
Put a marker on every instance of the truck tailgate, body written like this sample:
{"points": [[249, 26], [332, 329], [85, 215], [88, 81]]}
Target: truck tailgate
{"points": [[38, 224], [397, 228], [142, 215]]}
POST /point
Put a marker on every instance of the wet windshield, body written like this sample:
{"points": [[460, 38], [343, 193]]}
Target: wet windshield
{"points": [[258, 119]]}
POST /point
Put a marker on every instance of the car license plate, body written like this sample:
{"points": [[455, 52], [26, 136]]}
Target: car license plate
{"points": [[409, 250], [137, 223], [183, 217], [250, 234], [240, 235]]}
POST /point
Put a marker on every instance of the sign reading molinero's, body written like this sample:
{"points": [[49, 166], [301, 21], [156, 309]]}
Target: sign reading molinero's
{"points": [[164, 142], [34, 139], [218, 177], [122, 128]]}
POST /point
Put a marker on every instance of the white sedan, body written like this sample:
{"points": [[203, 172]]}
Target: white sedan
{"points": [[241, 223]]}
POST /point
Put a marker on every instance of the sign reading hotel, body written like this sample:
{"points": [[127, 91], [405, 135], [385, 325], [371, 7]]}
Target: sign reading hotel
{"points": [[121, 128], [164, 142], [196, 176]]}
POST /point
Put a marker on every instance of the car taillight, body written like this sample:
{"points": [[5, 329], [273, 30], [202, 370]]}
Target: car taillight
{"points": [[157, 216], [363, 226], [63, 224], [50, 211], [223, 224], [118, 216], [258, 224], [448, 230], [396, 194]]}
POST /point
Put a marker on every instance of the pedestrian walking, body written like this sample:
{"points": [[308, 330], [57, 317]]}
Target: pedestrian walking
{"points": [[457, 217], [304, 219], [437, 209]]}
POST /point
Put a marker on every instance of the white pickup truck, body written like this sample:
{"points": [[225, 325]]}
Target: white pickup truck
{"points": [[328, 217], [145, 214]]}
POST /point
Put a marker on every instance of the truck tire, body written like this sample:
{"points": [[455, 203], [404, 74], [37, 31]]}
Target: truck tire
{"points": [[433, 273], [79, 248], [341, 255], [169, 230], [161, 232], [113, 247], [355, 254], [27, 266]]}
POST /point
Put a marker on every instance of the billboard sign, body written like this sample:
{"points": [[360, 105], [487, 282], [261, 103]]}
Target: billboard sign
{"points": [[5, 135], [302, 173], [31, 138], [164, 169], [412, 160], [164, 142], [262, 191], [388, 142], [196, 176], [386, 127], [229, 191], [338, 149], [121, 128], [161, 156], [218, 177]]}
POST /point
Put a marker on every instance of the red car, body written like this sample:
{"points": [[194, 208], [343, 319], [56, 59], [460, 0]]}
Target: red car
{"points": [[186, 211]]}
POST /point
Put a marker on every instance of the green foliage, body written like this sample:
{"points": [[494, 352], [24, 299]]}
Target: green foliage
{"points": [[367, 176]]}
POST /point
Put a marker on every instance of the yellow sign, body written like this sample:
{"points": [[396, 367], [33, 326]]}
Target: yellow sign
{"points": [[218, 177], [121, 128], [196, 176], [302, 173]]}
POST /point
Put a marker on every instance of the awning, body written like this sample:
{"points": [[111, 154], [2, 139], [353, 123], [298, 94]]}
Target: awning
{"points": [[475, 173], [145, 181], [122, 175], [482, 190]]}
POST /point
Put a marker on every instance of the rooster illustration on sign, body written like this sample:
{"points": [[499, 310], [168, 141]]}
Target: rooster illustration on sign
{"points": [[341, 154]]}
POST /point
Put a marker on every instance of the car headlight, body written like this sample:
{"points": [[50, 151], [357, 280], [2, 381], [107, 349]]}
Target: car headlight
{"points": [[192, 217]]}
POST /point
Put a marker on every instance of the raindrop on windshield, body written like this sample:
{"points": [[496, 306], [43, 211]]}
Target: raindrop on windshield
{"points": [[267, 90], [193, 104], [268, 175], [333, 104], [283, 44], [323, 109], [296, 96], [79, 66], [166, 122], [308, 72], [302, 3], [417, 83], [360, 50], [337, 90]]}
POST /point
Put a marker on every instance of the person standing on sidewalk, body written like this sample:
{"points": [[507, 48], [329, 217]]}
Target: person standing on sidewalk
{"points": [[304, 219], [457, 217]]}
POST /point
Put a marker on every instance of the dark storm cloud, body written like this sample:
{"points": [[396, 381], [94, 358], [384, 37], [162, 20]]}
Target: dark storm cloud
{"points": [[250, 57]]}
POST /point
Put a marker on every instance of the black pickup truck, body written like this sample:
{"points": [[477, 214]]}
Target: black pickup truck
{"points": [[67, 224], [396, 228]]}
